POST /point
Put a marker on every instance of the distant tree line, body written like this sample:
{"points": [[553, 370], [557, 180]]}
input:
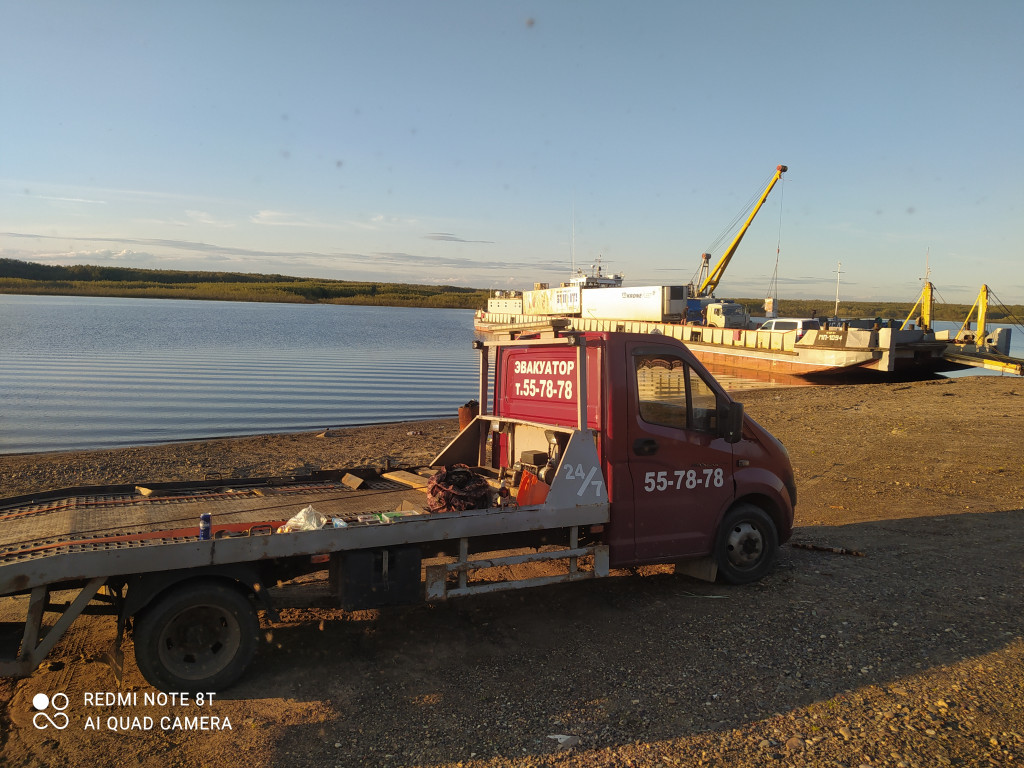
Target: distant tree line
{"points": [[90, 280], [898, 310]]}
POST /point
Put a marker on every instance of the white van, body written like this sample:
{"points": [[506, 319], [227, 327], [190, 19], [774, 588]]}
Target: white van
{"points": [[800, 324]]}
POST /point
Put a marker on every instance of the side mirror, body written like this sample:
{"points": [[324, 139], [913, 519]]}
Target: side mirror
{"points": [[732, 426]]}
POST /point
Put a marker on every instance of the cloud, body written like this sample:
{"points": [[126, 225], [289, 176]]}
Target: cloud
{"points": [[810, 281], [66, 199], [100, 255], [202, 217], [190, 246], [73, 193], [280, 219], [284, 219], [397, 266], [450, 262], [126, 256], [449, 237]]}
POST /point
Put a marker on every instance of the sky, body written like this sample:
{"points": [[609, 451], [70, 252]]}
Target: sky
{"points": [[497, 144]]}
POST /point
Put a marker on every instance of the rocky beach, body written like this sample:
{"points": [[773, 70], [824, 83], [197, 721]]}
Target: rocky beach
{"points": [[891, 631]]}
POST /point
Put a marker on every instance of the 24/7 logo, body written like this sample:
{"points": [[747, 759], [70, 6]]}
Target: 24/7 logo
{"points": [[42, 718], [589, 483]]}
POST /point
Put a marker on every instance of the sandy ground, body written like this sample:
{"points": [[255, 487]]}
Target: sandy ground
{"points": [[910, 655]]}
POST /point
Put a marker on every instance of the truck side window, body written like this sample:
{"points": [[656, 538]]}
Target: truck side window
{"points": [[671, 394], [703, 404], [661, 389]]}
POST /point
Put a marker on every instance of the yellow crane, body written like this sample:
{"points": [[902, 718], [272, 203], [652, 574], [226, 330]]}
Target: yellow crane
{"points": [[981, 349], [966, 347], [979, 336], [710, 282], [927, 304], [923, 320]]}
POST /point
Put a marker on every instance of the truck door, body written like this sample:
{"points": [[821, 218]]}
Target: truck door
{"points": [[681, 468]]}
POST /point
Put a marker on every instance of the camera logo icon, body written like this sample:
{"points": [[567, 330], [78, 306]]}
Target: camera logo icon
{"points": [[42, 718]]}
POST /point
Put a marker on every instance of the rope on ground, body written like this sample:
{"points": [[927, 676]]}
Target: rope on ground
{"points": [[704, 597], [833, 550]]}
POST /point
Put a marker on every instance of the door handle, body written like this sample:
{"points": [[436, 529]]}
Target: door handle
{"points": [[645, 447]]}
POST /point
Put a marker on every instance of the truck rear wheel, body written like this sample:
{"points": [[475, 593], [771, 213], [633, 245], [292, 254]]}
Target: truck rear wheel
{"points": [[200, 636], [746, 545]]}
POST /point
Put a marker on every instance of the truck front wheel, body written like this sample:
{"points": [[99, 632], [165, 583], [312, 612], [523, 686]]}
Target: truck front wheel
{"points": [[746, 545], [200, 636]]}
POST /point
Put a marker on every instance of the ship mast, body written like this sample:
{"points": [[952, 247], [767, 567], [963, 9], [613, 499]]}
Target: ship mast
{"points": [[839, 271], [572, 243]]}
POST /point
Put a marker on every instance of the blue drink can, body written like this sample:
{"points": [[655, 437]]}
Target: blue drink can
{"points": [[204, 526]]}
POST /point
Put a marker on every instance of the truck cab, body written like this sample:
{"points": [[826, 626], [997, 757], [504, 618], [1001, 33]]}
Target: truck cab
{"points": [[717, 313], [727, 314], [689, 476]]}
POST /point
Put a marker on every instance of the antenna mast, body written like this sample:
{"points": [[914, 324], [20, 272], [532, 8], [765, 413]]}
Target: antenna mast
{"points": [[572, 242], [839, 271]]}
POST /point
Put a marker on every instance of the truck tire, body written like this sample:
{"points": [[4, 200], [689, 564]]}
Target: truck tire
{"points": [[199, 636], [746, 544]]}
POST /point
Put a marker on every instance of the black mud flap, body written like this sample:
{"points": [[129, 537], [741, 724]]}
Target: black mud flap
{"points": [[371, 578], [114, 656]]}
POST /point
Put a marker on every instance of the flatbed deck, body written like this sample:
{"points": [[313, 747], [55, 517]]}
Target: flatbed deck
{"points": [[84, 535], [103, 520]]}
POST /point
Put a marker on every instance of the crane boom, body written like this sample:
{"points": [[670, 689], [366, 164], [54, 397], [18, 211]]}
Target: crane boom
{"points": [[715, 275]]}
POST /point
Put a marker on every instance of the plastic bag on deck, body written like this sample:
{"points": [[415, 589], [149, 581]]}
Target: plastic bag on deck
{"points": [[306, 520]]}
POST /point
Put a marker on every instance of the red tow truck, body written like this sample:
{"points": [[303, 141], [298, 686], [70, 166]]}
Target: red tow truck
{"points": [[595, 451]]}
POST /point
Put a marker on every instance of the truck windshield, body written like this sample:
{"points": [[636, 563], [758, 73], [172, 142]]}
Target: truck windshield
{"points": [[672, 394]]}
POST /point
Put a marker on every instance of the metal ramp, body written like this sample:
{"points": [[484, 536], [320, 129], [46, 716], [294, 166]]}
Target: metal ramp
{"points": [[992, 361]]}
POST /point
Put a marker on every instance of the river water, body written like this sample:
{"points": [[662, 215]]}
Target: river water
{"points": [[83, 372]]}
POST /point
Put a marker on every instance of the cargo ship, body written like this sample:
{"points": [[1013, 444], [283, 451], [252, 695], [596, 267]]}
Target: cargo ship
{"points": [[719, 332], [721, 335]]}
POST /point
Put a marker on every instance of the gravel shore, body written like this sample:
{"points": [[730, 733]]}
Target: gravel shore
{"points": [[890, 633]]}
